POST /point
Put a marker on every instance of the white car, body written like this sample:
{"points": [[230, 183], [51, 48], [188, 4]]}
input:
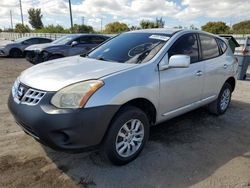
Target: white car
{"points": [[111, 96]]}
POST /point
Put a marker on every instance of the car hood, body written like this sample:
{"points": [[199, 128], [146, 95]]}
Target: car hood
{"points": [[40, 47], [56, 74], [6, 42]]}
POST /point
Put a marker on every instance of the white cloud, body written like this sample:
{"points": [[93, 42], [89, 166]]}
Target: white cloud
{"points": [[215, 9], [130, 11]]}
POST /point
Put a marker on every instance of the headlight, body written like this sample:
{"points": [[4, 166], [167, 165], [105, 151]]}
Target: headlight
{"points": [[76, 95]]}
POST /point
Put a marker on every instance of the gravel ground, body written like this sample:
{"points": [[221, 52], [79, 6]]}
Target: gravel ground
{"points": [[193, 150]]}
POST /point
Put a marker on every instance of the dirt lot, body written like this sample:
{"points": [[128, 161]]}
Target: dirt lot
{"points": [[194, 150]]}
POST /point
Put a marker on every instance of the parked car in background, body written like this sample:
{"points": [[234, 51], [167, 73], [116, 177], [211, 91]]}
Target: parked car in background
{"points": [[112, 95], [16, 48], [69, 45]]}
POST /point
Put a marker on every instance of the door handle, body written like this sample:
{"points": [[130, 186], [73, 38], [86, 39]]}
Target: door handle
{"points": [[225, 66], [199, 73]]}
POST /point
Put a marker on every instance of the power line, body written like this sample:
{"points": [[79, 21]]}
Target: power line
{"points": [[21, 9]]}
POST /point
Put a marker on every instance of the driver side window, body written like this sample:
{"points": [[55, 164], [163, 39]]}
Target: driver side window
{"points": [[32, 41], [186, 45]]}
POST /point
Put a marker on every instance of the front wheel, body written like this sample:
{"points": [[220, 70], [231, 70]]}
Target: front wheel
{"points": [[127, 136], [15, 53], [221, 104]]}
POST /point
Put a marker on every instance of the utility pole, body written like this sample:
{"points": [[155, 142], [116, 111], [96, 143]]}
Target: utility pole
{"points": [[21, 9], [11, 21], [82, 20], [101, 24], [70, 11]]}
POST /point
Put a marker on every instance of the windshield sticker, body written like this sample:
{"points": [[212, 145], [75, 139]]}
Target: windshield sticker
{"points": [[139, 49], [159, 37]]}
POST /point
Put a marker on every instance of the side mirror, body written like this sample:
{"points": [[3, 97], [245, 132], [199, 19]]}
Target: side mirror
{"points": [[175, 61], [179, 61], [74, 43]]}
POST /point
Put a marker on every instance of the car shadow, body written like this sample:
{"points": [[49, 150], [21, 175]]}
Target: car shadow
{"points": [[181, 152]]}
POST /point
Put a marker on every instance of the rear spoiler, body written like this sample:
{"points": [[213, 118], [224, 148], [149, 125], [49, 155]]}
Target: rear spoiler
{"points": [[232, 41]]}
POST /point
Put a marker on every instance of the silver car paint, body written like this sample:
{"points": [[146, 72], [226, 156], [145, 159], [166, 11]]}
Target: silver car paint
{"points": [[54, 75], [6, 46], [172, 91]]}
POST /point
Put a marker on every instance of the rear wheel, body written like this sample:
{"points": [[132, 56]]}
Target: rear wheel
{"points": [[127, 135], [221, 104], [15, 53]]}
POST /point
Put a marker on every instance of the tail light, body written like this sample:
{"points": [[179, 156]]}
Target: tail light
{"points": [[244, 51]]}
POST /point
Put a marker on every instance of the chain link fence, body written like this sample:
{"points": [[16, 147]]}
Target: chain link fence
{"points": [[13, 36]]}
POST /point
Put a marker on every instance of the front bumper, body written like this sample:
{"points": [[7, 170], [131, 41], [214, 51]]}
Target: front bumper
{"points": [[2, 52], [34, 57], [63, 129]]}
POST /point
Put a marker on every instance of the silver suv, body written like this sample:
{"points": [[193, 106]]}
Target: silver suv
{"points": [[112, 96]]}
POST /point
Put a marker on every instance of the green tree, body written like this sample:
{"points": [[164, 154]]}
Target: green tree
{"points": [[178, 27], [242, 27], [116, 27], [216, 27], [159, 23], [132, 28], [20, 28], [1, 30], [147, 24], [35, 18], [82, 29], [53, 29], [192, 27]]}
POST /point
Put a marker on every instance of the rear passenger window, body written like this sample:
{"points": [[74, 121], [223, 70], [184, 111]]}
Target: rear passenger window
{"points": [[186, 45], [83, 40], [97, 40], [222, 45], [41, 40], [209, 47]]}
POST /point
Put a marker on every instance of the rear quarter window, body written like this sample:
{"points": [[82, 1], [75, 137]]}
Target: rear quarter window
{"points": [[44, 40], [209, 47], [222, 45]]}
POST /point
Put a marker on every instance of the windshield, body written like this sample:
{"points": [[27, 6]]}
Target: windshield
{"points": [[63, 40], [130, 48]]}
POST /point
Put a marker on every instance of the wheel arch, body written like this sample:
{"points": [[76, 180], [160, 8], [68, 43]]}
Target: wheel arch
{"points": [[143, 104], [232, 82], [15, 48]]}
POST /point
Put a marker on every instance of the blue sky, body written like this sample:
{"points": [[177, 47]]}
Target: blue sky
{"points": [[174, 12]]}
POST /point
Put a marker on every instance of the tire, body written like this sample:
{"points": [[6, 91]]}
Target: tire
{"points": [[137, 122], [15, 53], [52, 57], [221, 104]]}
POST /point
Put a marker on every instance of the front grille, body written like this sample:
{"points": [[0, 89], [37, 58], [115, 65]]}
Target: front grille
{"points": [[25, 95], [32, 97]]}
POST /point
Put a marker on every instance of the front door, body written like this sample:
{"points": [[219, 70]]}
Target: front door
{"points": [[181, 87]]}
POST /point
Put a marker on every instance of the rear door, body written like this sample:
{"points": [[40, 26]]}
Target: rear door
{"points": [[180, 88], [216, 65]]}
